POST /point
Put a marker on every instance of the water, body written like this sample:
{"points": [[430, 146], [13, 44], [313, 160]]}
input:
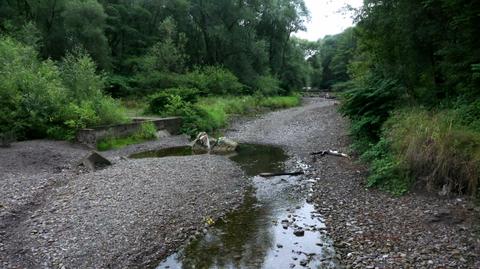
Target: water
{"points": [[255, 236]]}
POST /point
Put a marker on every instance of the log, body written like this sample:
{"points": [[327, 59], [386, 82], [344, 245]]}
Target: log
{"points": [[330, 152], [281, 174]]}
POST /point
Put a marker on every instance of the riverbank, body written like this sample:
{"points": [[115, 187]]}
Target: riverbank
{"points": [[129, 221], [130, 214], [370, 228]]}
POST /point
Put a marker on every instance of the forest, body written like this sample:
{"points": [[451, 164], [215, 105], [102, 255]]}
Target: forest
{"points": [[74, 64], [408, 74]]}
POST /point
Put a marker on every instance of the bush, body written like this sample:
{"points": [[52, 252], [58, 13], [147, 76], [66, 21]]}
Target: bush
{"points": [[214, 80], [167, 101], [268, 86], [39, 99], [368, 104], [432, 149], [31, 92]]}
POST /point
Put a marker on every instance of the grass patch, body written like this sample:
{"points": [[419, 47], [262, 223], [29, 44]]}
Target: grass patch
{"points": [[209, 114], [215, 112], [433, 149], [147, 132]]}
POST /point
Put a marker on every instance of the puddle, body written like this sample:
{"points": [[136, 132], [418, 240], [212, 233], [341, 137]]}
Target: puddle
{"points": [[260, 234]]}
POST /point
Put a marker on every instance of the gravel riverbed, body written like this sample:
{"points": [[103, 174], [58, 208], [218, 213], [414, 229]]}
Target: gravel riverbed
{"points": [[370, 228], [137, 211], [128, 215]]}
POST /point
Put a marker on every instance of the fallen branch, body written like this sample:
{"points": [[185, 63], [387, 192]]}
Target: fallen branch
{"points": [[281, 174], [330, 152]]}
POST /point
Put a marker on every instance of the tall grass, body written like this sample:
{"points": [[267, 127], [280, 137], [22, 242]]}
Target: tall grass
{"points": [[220, 109], [427, 148], [436, 149]]}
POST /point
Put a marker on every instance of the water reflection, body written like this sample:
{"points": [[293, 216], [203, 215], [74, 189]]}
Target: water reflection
{"points": [[254, 236]]}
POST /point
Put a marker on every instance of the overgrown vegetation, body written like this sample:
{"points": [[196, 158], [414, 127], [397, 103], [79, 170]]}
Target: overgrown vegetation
{"points": [[212, 113], [147, 131], [413, 94], [44, 98], [62, 60]]}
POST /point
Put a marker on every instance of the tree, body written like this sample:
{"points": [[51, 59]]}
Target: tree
{"points": [[85, 23]]}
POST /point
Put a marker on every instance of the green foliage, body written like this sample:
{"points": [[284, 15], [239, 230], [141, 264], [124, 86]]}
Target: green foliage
{"points": [[435, 147], [156, 42], [268, 86], [368, 104], [429, 149], [168, 100], [84, 23], [212, 113], [214, 80], [38, 98], [31, 92], [146, 132], [279, 102]]}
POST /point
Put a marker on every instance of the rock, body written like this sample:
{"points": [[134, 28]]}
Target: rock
{"points": [[299, 232], [202, 143], [94, 161], [303, 263], [279, 246], [224, 145]]}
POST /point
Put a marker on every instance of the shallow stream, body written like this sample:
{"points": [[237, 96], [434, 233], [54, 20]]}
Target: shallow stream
{"points": [[275, 227]]}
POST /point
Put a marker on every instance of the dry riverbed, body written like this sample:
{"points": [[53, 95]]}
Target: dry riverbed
{"points": [[130, 214], [137, 211]]}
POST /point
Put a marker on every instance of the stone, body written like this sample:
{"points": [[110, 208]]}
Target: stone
{"points": [[202, 143], [299, 232], [94, 161], [224, 145], [205, 143], [303, 263]]}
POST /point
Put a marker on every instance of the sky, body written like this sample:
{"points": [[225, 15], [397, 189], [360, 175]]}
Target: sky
{"points": [[327, 18]]}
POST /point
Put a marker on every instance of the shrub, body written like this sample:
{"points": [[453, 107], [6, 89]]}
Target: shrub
{"points": [[268, 85], [39, 99], [214, 80], [368, 104], [31, 92], [167, 101]]}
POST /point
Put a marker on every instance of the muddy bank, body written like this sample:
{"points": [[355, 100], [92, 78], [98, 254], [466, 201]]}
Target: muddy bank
{"points": [[127, 215]]}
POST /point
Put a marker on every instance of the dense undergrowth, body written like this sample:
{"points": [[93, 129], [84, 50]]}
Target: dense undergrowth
{"points": [[46, 98], [211, 113], [413, 95]]}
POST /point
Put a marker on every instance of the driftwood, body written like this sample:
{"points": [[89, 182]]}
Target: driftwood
{"points": [[281, 174], [330, 152]]}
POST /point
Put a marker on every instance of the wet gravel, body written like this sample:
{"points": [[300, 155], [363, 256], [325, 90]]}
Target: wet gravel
{"points": [[370, 228], [130, 214]]}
